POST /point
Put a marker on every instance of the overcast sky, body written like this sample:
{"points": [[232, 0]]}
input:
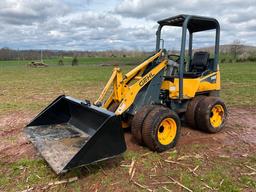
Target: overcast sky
{"points": [[115, 24]]}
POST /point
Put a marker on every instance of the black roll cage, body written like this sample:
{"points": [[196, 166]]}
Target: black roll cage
{"points": [[192, 24]]}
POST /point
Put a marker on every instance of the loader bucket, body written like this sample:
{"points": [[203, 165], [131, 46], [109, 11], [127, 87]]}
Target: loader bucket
{"points": [[71, 133]]}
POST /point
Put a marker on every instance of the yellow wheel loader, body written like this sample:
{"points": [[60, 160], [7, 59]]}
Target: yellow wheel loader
{"points": [[152, 99]]}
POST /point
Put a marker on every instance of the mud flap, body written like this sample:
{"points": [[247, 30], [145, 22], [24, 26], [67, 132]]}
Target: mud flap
{"points": [[71, 133]]}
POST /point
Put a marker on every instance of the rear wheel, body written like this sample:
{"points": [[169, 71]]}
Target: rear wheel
{"points": [[138, 120], [161, 129], [191, 110], [211, 114]]}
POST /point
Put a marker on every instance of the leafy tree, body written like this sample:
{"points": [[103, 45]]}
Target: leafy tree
{"points": [[75, 61], [236, 49]]}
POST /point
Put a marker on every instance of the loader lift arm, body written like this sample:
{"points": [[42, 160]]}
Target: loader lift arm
{"points": [[126, 88]]}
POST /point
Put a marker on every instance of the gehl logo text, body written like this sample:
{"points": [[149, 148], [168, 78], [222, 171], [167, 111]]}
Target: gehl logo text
{"points": [[146, 79]]}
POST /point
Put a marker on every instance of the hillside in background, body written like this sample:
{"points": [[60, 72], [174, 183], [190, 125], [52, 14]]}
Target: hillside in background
{"points": [[246, 48], [227, 48], [231, 53]]}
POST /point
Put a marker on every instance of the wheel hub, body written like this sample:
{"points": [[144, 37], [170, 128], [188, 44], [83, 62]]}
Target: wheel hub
{"points": [[216, 116], [167, 131]]}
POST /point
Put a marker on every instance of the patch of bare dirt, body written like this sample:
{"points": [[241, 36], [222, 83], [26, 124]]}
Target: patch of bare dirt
{"points": [[13, 120], [12, 152], [13, 143], [131, 142], [243, 122], [239, 132]]}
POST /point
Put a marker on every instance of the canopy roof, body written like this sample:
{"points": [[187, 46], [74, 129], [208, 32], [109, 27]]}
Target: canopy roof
{"points": [[195, 23]]}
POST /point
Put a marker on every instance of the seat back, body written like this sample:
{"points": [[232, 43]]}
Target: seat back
{"points": [[199, 62]]}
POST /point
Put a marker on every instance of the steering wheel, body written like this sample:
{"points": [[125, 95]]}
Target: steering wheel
{"points": [[174, 57]]}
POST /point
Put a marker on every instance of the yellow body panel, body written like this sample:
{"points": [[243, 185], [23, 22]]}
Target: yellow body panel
{"points": [[136, 87], [124, 90], [192, 85], [206, 85]]}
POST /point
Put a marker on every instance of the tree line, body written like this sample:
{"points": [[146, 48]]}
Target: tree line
{"points": [[235, 52], [11, 54]]}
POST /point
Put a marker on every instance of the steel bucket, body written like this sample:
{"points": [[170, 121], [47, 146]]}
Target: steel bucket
{"points": [[71, 133]]}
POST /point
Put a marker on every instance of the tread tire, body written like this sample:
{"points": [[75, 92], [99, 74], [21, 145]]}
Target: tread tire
{"points": [[150, 128], [138, 120], [190, 114], [203, 113]]}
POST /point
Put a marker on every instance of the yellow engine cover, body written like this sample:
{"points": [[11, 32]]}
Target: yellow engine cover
{"points": [[191, 86]]}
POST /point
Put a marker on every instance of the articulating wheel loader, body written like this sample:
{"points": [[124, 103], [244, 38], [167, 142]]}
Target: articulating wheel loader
{"points": [[152, 99]]}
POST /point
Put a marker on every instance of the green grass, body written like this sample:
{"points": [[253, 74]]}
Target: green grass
{"points": [[238, 83], [23, 88], [31, 89], [18, 175], [81, 60]]}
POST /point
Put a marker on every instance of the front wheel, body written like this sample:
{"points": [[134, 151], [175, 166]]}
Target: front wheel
{"points": [[138, 120], [161, 129]]}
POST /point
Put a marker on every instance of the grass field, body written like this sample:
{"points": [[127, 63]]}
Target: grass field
{"points": [[22, 87], [26, 90], [81, 60]]}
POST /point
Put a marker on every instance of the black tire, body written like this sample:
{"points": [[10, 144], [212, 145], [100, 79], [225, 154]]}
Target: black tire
{"points": [[190, 115], [113, 106], [204, 114], [152, 125], [138, 120]]}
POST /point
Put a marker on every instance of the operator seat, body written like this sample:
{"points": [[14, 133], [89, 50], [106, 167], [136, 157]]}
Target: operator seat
{"points": [[199, 62], [198, 65]]}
